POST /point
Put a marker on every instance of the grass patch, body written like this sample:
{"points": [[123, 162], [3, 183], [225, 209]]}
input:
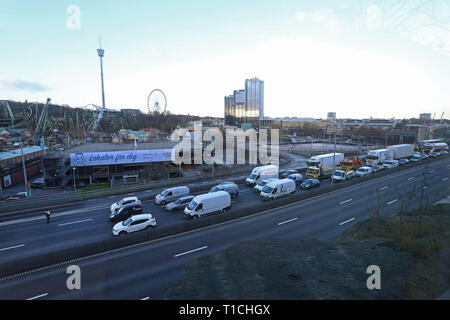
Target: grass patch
{"points": [[96, 187]]}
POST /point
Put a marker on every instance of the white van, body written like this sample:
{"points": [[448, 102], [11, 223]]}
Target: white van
{"points": [[171, 194], [262, 173], [277, 189], [208, 203]]}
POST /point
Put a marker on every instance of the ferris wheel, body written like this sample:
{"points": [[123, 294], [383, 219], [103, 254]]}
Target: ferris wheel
{"points": [[157, 101]]}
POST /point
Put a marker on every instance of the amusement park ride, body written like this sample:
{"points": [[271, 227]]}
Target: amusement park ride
{"points": [[44, 119]]}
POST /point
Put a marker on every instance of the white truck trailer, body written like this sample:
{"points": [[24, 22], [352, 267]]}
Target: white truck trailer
{"points": [[402, 151], [378, 157], [321, 166]]}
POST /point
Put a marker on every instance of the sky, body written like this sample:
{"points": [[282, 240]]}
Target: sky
{"points": [[360, 59]]}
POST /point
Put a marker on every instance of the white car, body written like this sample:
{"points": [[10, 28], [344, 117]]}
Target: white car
{"points": [[364, 171], [341, 175], [260, 185], [131, 200], [135, 223], [391, 164]]}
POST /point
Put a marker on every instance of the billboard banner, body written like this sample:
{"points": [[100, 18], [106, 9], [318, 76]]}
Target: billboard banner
{"points": [[85, 159]]}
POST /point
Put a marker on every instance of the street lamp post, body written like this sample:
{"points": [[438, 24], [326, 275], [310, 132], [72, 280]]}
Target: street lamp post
{"points": [[24, 168], [74, 182], [334, 154]]}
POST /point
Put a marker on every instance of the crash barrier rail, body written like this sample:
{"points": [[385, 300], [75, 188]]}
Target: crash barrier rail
{"points": [[104, 246], [53, 201]]}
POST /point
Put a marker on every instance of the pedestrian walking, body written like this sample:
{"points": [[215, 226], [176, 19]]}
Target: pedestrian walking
{"points": [[47, 215]]}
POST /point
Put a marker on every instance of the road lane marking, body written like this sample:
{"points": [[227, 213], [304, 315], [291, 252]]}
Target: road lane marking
{"points": [[392, 202], [346, 201], [284, 222], [37, 297], [411, 178], [130, 194], [345, 222], [445, 179], [190, 251], [146, 298], [431, 171], [384, 188], [14, 247], [69, 223], [111, 197], [148, 191]]}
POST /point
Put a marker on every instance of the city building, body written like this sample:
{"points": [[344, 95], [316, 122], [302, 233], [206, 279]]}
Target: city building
{"points": [[11, 165], [331, 116], [425, 116], [245, 108]]}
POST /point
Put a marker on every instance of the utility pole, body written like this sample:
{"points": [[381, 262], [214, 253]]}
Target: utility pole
{"points": [[24, 167], [334, 154]]}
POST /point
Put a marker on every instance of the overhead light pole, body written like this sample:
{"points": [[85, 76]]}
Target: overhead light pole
{"points": [[74, 182], [24, 167]]}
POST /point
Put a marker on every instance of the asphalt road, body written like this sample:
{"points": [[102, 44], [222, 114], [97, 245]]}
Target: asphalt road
{"points": [[147, 270]]}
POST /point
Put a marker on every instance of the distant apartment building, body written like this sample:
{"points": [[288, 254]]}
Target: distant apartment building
{"points": [[331, 116], [245, 107], [425, 116]]}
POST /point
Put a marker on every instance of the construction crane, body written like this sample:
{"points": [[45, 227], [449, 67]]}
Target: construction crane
{"points": [[442, 117]]}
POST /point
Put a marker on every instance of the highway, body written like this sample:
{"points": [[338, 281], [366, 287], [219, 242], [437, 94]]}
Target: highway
{"points": [[147, 270]]}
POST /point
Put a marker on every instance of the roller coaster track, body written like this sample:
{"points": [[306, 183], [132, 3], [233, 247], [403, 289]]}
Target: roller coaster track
{"points": [[7, 117]]}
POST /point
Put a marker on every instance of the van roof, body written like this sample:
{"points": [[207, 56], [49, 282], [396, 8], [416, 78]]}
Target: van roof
{"points": [[180, 187], [211, 195], [130, 198]]}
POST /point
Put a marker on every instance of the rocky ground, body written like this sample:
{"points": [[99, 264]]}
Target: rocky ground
{"points": [[412, 249]]}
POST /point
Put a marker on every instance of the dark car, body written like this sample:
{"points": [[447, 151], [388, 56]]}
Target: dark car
{"points": [[180, 203], [377, 168], [285, 174], [298, 178], [125, 212], [310, 184], [38, 183], [231, 188], [434, 154], [443, 152], [3, 196]]}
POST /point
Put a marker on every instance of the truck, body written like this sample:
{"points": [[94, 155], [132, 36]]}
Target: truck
{"points": [[351, 164], [378, 157], [321, 166], [262, 173], [402, 151]]}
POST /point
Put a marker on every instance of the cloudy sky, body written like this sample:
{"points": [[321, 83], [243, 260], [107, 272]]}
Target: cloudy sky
{"points": [[357, 58]]}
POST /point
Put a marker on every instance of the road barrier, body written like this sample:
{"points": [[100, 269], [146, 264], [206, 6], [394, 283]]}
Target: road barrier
{"points": [[12, 207], [113, 243]]}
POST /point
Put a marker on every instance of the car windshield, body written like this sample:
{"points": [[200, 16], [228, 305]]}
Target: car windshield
{"points": [[215, 189], [252, 176], [339, 173], [262, 183], [308, 182], [127, 222], [164, 192], [178, 201], [120, 202], [372, 157], [267, 189], [192, 205]]}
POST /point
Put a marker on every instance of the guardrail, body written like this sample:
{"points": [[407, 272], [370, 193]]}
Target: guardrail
{"points": [[61, 256], [53, 201]]}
